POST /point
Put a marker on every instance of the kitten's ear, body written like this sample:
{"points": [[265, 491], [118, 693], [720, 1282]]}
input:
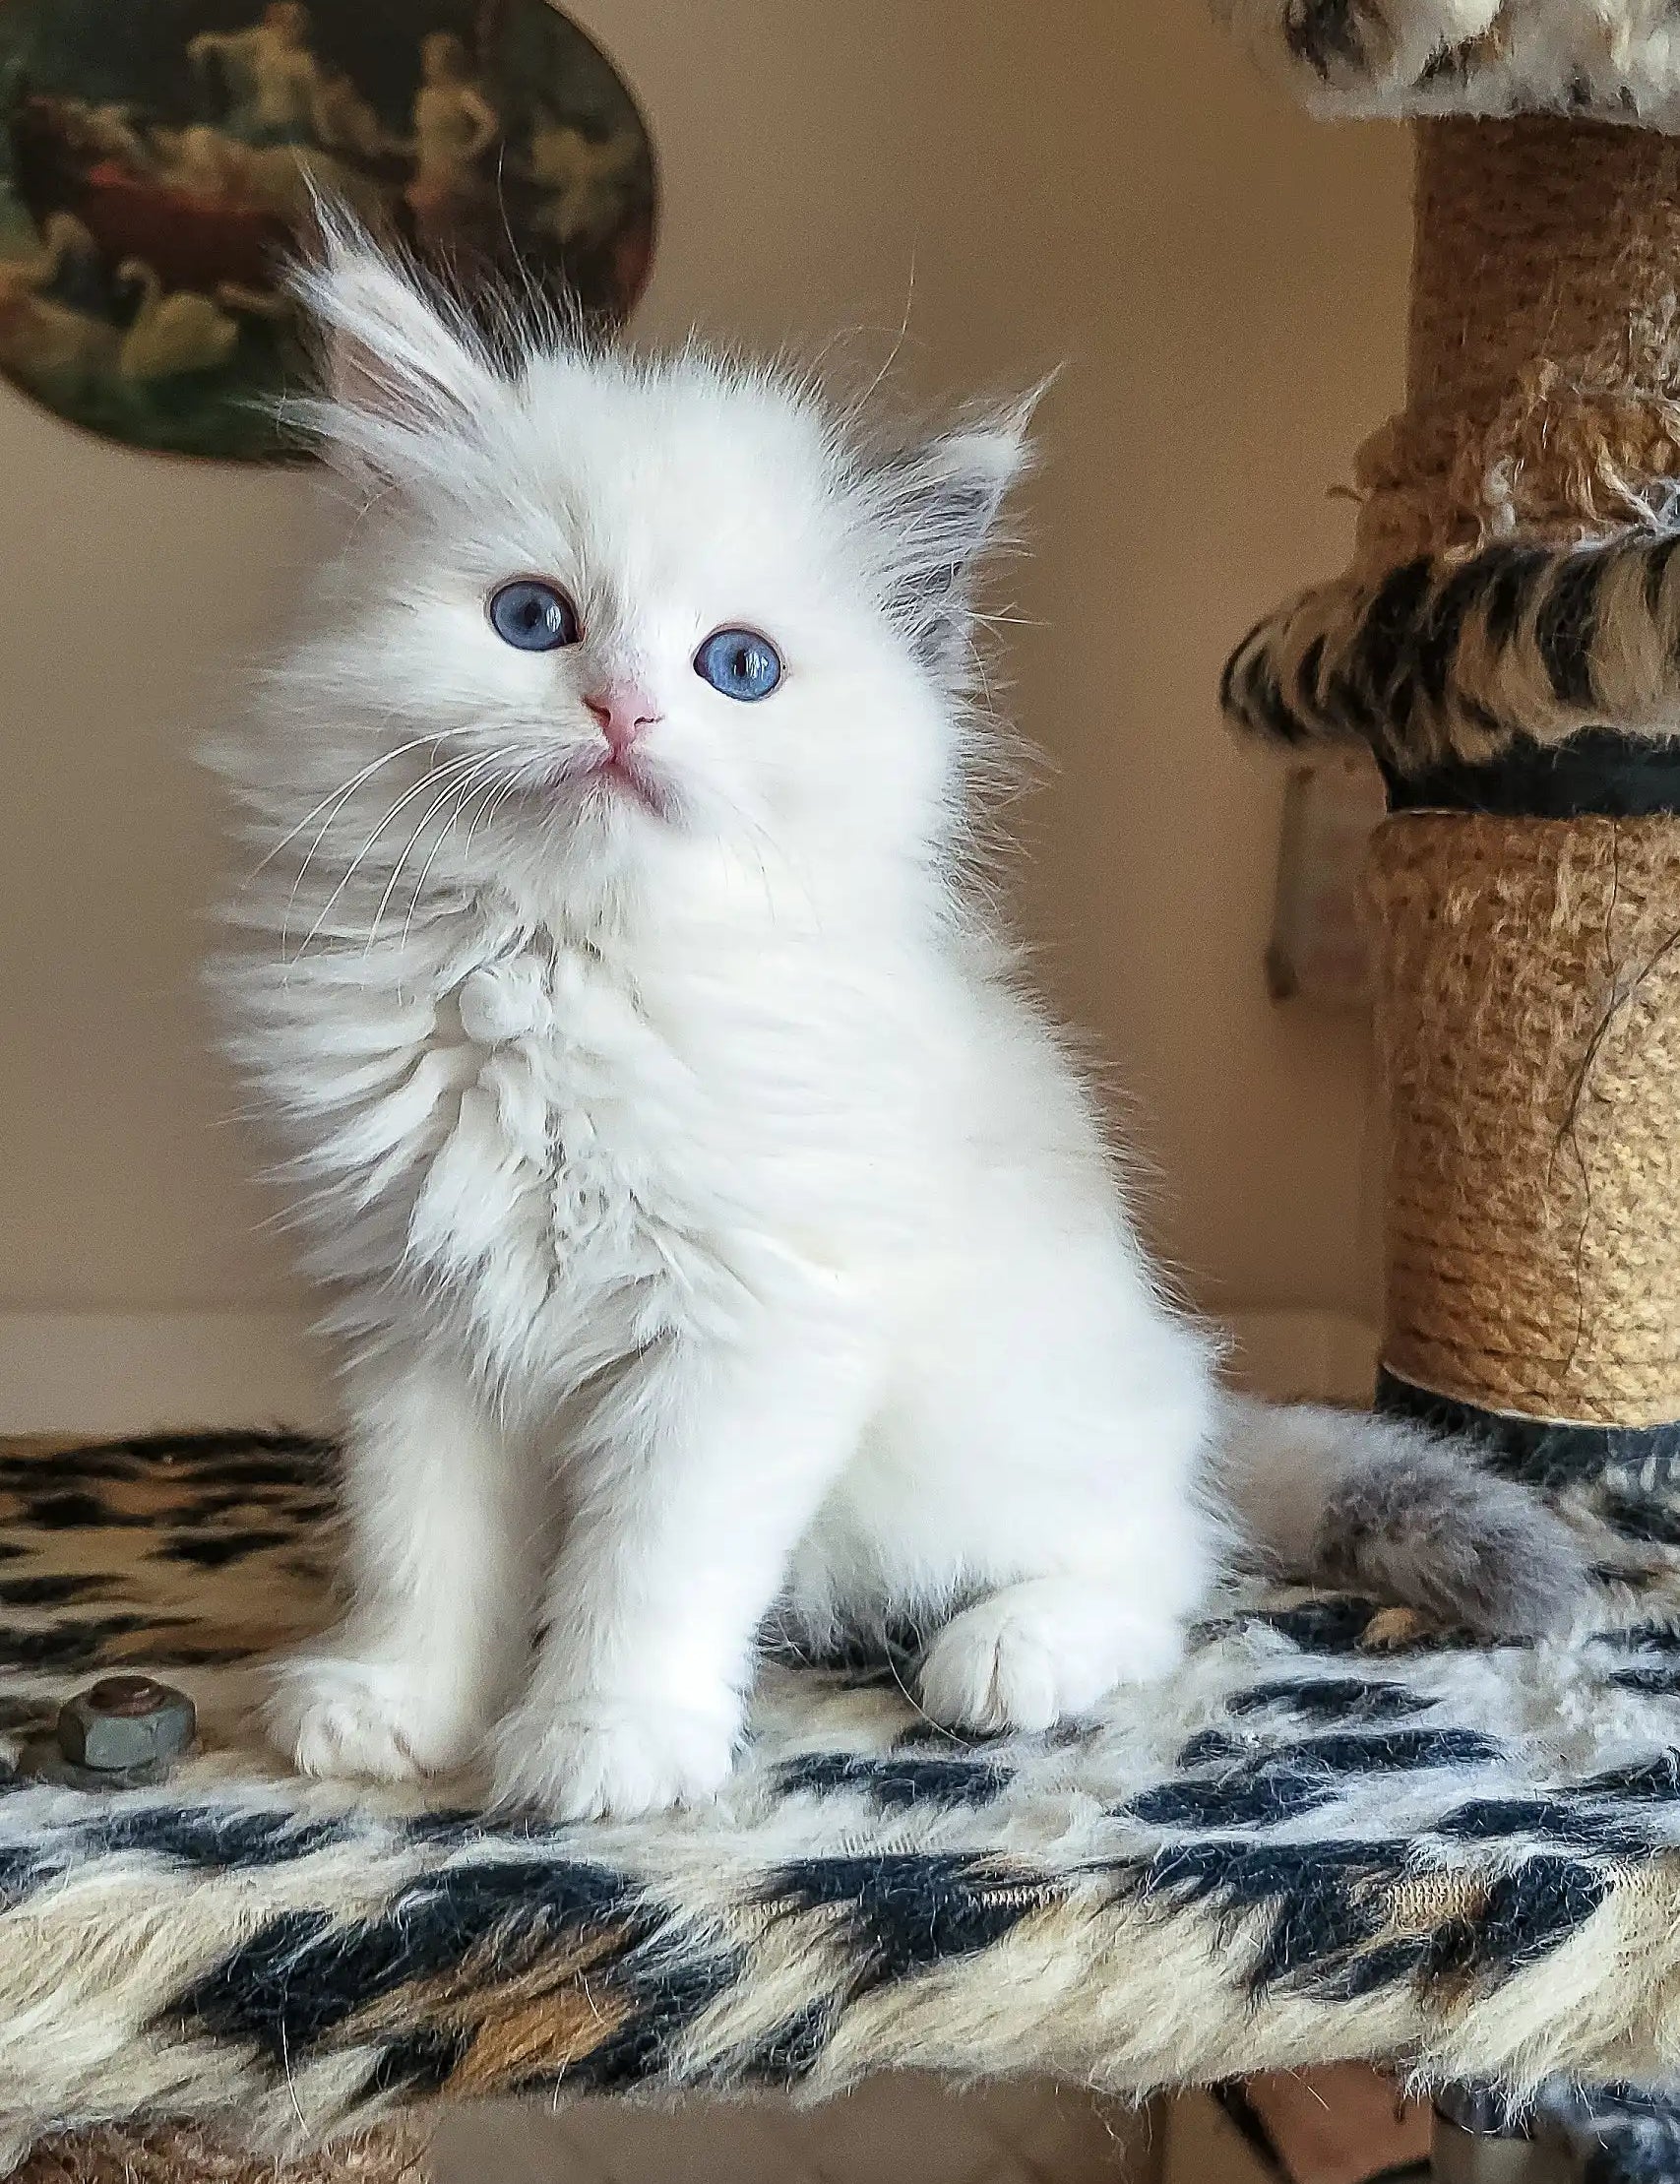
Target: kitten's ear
{"points": [[940, 503], [401, 364]]}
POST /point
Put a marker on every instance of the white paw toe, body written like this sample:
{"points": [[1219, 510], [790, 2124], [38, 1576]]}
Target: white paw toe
{"points": [[376, 1719], [1036, 1653], [611, 1759]]}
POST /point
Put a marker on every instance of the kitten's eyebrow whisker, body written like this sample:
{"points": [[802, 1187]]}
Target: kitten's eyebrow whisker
{"points": [[984, 680], [874, 387], [370, 502]]}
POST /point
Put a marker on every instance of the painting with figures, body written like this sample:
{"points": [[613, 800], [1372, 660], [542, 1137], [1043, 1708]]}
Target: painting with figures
{"points": [[158, 160]]}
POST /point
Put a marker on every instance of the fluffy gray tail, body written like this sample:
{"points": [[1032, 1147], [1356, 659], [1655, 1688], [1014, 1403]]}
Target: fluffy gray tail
{"points": [[1379, 1505]]}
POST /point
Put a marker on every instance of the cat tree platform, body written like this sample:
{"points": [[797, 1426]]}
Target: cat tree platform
{"points": [[1336, 1834]]}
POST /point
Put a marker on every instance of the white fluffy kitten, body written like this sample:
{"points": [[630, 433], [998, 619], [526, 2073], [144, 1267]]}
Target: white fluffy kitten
{"points": [[713, 1223]]}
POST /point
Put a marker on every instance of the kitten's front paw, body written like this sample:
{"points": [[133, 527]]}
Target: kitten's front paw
{"points": [[614, 1759], [1033, 1653], [385, 1719]]}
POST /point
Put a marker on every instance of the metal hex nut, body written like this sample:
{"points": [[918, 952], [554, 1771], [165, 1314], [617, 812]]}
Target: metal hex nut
{"points": [[124, 1723]]}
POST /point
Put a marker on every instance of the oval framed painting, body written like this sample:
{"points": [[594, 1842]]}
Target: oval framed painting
{"points": [[158, 160]]}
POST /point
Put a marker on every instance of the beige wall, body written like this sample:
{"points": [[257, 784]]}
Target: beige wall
{"points": [[1088, 180]]}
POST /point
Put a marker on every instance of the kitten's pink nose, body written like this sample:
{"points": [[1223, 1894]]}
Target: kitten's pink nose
{"points": [[624, 709]]}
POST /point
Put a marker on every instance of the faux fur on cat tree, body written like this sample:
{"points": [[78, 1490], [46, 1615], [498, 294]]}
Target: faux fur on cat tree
{"points": [[1338, 1832], [1619, 58]]}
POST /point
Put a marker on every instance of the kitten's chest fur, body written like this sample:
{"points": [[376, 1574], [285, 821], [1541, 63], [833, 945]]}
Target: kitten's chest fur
{"points": [[638, 1138]]}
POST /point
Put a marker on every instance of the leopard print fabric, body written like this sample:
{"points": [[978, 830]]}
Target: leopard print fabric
{"points": [[1334, 1833]]}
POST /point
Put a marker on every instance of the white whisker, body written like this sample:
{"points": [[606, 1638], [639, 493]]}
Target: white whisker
{"points": [[464, 793], [337, 797], [455, 819], [456, 789], [486, 814], [874, 387], [327, 826], [407, 797]]}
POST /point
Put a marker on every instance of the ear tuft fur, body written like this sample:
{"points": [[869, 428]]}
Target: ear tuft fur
{"points": [[939, 502], [401, 359]]}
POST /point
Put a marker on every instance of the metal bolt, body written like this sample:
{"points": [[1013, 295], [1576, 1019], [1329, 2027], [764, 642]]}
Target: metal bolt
{"points": [[124, 1724]]}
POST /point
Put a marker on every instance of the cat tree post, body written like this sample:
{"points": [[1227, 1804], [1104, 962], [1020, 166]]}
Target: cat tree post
{"points": [[1505, 640], [1530, 1017], [185, 2154]]}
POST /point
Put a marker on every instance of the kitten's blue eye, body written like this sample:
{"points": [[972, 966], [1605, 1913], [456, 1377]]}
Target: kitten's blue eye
{"points": [[537, 617], [740, 663]]}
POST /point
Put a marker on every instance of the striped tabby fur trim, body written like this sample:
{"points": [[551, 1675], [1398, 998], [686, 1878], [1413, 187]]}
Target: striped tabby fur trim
{"points": [[1619, 59], [1457, 658]]}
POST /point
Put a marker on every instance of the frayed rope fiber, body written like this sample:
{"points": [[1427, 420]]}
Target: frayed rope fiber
{"points": [[1513, 576], [1543, 354]]}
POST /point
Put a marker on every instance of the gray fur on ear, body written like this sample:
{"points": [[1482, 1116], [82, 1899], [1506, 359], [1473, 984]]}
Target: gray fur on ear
{"points": [[938, 506]]}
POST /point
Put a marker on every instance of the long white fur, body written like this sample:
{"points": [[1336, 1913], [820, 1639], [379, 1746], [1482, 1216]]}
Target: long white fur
{"points": [[711, 1218]]}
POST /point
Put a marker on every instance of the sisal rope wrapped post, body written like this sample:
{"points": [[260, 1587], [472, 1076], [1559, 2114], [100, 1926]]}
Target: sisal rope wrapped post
{"points": [[1543, 353], [1528, 1024], [393, 2153], [1528, 1019], [1507, 640]]}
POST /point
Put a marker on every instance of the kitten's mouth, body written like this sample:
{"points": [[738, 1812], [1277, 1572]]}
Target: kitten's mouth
{"points": [[620, 774]]}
